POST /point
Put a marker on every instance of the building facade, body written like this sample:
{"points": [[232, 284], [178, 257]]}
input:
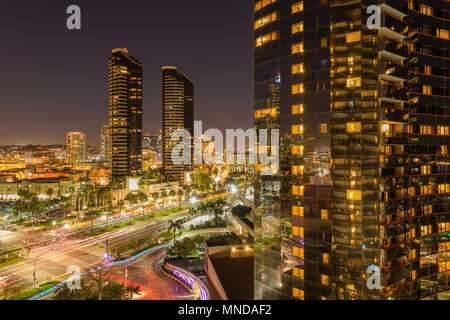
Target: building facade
{"points": [[105, 142], [177, 113], [125, 115], [363, 119], [75, 147]]}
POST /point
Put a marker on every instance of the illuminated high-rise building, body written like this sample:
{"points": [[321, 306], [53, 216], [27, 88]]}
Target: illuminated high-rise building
{"points": [[178, 113], [125, 115], [364, 176], [75, 147], [105, 143]]}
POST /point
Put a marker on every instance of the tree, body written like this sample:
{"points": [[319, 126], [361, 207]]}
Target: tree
{"points": [[85, 293], [114, 291], [174, 225], [202, 179], [10, 291], [37, 208], [179, 194], [97, 280], [155, 196], [172, 193], [163, 196], [17, 210], [132, 290], [241, 211], [50, 193], [133, 199], [192, 211]]}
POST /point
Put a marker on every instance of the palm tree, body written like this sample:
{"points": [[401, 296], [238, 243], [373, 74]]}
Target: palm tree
{"points": [[133, 199], [133, 289], [193, 211], [179, 194], [37, 208], [50, 193], [163, 196], [203, 208], [155, 196], [172, 193], [187, 190], [174, 225], [17, 210]]}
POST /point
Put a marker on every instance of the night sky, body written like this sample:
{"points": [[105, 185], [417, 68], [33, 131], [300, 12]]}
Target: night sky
{"points": [[53, 80]]}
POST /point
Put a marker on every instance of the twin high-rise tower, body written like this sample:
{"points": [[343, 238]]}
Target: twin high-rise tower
{"points": [[364, 181], [125, 115]]}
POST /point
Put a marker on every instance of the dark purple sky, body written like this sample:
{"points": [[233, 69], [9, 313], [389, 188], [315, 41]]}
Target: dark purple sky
{"points": [[53, 80]]}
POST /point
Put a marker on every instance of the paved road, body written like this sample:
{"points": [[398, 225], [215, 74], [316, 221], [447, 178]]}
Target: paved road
{"points": [[53, 260], [154, 284]]}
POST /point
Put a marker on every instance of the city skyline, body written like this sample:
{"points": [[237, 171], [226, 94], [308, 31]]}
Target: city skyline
{"points": [[49, 86]]}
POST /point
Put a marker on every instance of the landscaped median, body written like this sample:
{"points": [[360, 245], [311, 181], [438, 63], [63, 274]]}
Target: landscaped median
{"points": [[33, 292], [109, 265], [11, 259]]}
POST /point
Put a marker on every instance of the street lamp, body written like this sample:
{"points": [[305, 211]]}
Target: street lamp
{"points": [[193, 200], [233, 189]]}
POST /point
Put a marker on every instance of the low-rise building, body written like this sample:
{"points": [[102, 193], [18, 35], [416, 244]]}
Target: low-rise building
{"points": [[9, 187]]}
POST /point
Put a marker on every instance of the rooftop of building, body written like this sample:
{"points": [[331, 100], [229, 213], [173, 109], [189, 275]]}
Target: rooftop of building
{"points": [[236, 276]]}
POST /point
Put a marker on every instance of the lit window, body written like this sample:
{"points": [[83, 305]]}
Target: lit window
{"points": [[297, 109], [326, 258], [353, 126], [297, 231], [324, 214], [297, 211], [298, 273], [324, 42], [266, 38], [427, 89], [443, 130], [297, 150], [427, 70], [263, 3], [297, 7], [354, 194], [297, 190], [323, 128], [426, 9], [297, 293], [353, 36], [354, 82], [426, 129], [297, 170], [297, 48], [443, 33], [298, 252], [298, 27], [297, 68], [297, 88], [265, 20], [325, 280], [297, 129]]}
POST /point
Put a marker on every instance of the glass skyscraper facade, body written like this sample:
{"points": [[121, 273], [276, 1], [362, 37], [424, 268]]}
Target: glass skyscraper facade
{"points": [[363, 179], [125, 115], [177, 113]]}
